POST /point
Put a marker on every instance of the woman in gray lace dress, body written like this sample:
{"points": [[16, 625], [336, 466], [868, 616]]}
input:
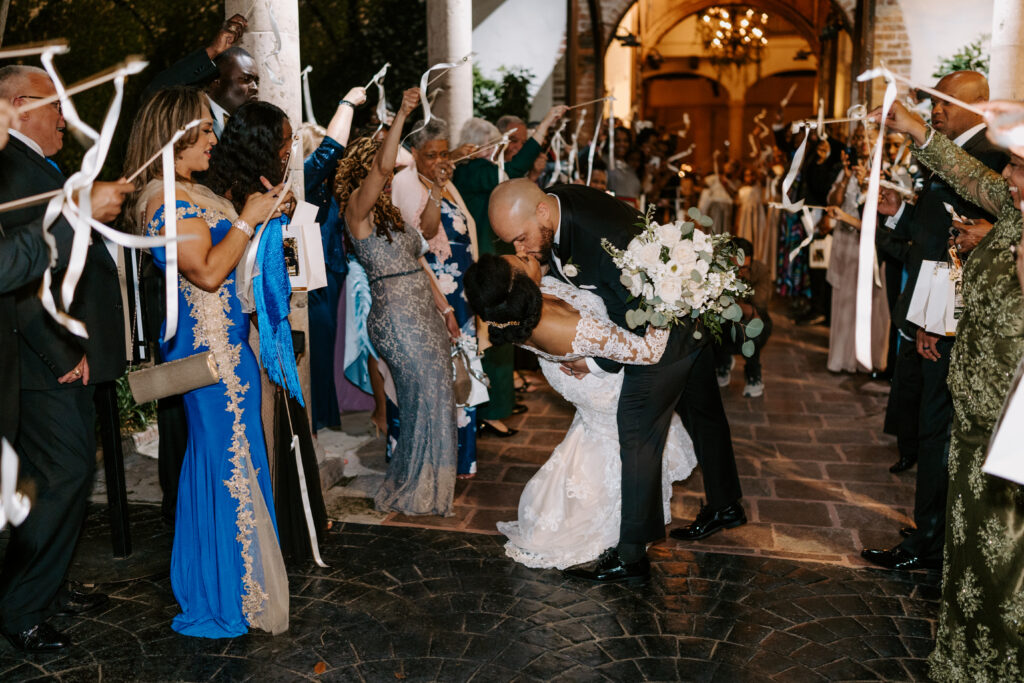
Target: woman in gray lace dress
{"points": [[404, 326]]}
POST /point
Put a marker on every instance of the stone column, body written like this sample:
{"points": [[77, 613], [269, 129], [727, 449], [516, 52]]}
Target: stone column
{"points": [[449, 39], [260, 40], [1007, 65]]}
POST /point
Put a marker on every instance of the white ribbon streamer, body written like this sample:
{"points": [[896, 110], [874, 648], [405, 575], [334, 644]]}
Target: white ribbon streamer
{"points": [[306, 509], [424, 83], [14, 507], [794, 168], [785, 100], [574, 149], [597, 134], [307, 99], [862, 335], [170, 231], [557, 141], [382, 103], [611, 136], [808, 221], [274, 54]]}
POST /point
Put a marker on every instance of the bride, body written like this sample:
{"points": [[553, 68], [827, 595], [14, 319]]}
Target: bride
{"points": [[571, 509]]}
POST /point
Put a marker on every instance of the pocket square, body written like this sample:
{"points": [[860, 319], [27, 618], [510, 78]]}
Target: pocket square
{"points": [[588, 286]]}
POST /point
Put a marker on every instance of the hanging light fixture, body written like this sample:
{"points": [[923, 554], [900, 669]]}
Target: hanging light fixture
{"points": [[734, 34]]}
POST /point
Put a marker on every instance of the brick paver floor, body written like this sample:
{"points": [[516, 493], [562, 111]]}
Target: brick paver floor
{"points": [[813, 461]]}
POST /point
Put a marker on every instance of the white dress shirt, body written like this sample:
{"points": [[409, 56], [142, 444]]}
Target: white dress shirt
{"points": [[27, 141]]}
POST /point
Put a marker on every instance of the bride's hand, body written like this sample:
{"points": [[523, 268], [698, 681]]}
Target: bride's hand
{"points": [[576, 368]]}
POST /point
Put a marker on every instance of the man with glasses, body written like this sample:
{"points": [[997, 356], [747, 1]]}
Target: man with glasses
{"points": [[55, 433]]}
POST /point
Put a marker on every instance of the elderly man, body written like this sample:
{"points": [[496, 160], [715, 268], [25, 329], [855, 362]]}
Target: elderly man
{"points": [[517, 134], [920, 404], [55, 435], [226, 72]]}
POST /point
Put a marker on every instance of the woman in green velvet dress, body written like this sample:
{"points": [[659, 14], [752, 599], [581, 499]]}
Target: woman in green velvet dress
{"points": [[981, 624]]}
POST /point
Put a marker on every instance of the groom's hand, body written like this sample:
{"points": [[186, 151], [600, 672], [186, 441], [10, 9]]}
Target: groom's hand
{"points": [[577, 368]]}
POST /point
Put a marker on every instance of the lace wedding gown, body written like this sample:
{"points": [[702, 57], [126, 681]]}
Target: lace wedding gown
{"points": [[571, 509]]}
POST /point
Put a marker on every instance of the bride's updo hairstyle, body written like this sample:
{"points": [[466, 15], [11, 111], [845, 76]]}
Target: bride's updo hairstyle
{"points": [[507, 299]]}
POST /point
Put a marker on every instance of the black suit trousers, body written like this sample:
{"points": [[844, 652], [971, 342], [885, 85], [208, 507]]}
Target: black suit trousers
{"points": [[924, 409], [57, 448], [650, 393]]}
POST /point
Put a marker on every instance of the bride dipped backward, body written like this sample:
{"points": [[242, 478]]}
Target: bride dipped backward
{"points": [[504, 291]]}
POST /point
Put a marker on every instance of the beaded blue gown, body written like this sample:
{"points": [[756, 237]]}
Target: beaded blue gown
{"points": [[227, 572]]}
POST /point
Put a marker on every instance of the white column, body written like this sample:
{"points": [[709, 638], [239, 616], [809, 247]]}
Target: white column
{"points": [[449, 39], [260, 41], [1007, 64]]}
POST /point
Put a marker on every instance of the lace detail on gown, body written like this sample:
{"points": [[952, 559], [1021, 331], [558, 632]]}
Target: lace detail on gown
{"points": [[570, 510]]}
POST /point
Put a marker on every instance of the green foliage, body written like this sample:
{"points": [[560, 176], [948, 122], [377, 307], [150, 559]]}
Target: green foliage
{"points": [[134, 417], [970, 57], [493, 99], [346, 41]]}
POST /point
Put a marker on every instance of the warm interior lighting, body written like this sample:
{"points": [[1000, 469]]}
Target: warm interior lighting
{"points": [[741, 43]]}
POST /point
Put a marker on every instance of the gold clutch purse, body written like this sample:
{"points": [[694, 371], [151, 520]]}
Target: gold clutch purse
{"points": [[173, 378]]}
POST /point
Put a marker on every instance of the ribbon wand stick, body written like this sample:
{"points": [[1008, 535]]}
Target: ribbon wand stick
{"points": [[129, 67]]}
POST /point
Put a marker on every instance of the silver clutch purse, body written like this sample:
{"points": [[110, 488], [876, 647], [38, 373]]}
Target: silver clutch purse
{"points": [[173, 378]]}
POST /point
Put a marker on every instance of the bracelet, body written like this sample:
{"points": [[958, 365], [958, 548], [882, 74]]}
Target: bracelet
{"points": [[347, 104], [243, 226], [448, 310]]}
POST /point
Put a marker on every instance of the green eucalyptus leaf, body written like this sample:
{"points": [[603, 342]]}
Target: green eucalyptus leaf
{"points": [[697, 334], [694, 213], [732, 331], [626, 280], [686, 228], [755, 327], [733, 313], [696, 276], [747, 348], [706, 221], [658, 319]]}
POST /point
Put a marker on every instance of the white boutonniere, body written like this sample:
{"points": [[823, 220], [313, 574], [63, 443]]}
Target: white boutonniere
{"points": [[570, 269]]}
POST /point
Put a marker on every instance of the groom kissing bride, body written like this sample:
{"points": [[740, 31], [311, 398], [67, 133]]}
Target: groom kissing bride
{"points": [[656, 376]]}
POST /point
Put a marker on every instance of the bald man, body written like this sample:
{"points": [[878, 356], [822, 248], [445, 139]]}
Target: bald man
{"points": [[920, 411], [566, 225]]}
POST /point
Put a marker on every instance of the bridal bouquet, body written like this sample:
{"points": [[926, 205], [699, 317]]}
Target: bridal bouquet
{"points": [[676, 272]]}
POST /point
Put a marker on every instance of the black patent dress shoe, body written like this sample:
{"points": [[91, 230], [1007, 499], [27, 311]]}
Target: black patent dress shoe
{"points": [[907, 531], [709, 521], [71, 602], [611, 569], [519, 409], [903, 464], [485, 428], [39, 639], [898, 558]]}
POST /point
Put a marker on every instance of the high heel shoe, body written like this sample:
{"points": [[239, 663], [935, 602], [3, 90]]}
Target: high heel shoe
{"points": [[487, 428]]}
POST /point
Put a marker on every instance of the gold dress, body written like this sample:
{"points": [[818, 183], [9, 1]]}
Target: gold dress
{"points": [[981, 622]]}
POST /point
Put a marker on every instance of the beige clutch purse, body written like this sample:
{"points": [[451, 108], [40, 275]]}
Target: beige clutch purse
{"points": [[173, 378]]}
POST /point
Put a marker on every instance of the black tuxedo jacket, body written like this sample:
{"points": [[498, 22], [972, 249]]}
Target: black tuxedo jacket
{"points": [[46, 351], [586, 217], [195, 69], [926, 224]]}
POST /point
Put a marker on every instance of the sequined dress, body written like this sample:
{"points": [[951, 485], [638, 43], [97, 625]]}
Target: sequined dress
{"points": [[227, 572], [410, 336], [981, 623]]}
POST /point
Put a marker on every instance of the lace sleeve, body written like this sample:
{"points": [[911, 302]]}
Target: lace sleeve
{"points": [[603, 339], [973, 180]]}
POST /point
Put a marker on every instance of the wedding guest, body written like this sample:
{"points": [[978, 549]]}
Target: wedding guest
{"points": [[922, 390], [429, 202], [749, 216], [321, 162], [816, 178], [979, 634], [757, 274], [475, 180], [227, 572], [404, 326], [58, 376]]}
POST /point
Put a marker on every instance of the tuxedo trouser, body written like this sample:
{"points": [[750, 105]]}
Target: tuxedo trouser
{"points": [[650, 393], [57, 448], [925, 415]]}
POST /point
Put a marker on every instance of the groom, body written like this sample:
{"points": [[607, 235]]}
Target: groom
{"points": [[564, 228]]}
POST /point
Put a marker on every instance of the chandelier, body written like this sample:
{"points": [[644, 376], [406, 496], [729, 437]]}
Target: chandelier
{"points": [[734, 35]]}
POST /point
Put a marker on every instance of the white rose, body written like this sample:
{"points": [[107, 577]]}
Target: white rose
{"points": [[670, 289], [647, 292], [669, 234], [683, 253], [636, 284], [649, 255], [701, 241], [570, 270], [634, 245], [702, 267]]}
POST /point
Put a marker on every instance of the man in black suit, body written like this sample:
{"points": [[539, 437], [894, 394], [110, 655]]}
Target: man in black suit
{"points": [[564, 228], [226, 72], [920, 399], [58, 372]]}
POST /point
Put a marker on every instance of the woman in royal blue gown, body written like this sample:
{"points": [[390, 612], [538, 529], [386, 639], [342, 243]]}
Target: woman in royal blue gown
{"points": [[227, 572]]}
